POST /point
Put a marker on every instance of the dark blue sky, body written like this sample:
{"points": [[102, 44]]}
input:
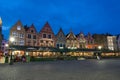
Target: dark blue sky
{"points": [[94, 16]]}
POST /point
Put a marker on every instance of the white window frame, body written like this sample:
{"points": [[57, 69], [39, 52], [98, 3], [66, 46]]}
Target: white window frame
{"points": [[21, 42], [21, 35]]}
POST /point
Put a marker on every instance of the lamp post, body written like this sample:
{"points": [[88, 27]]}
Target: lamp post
{"points": [[11, 42], [98, 56], [6, 46]]}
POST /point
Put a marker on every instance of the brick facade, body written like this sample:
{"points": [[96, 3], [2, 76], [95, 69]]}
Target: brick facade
{"points": [[28, 36], [90, 41], [17, 31], [46, 36], [31, 36]]}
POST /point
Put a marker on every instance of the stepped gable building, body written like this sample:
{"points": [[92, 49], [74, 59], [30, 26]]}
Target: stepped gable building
{"points": [[71, 41], [46, 36], [81, 40], [31, 36], [17, 31], [90, 41], [60, 39]]}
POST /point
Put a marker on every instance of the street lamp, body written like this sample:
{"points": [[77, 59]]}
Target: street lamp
{"points": [[11, 42], [98, 56], [6, 45], [12, 39], [99, 47]]}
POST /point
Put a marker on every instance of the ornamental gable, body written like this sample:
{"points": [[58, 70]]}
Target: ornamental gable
{"points": [[71, 36], [18, 27], [31, 29], [46, 29], [60, 37]]}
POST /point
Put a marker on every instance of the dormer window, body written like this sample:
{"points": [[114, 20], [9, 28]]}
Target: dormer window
{"points": [[18, 27]]}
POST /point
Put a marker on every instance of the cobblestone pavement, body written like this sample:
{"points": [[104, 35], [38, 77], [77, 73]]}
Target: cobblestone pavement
{"points": [[62, 70]]}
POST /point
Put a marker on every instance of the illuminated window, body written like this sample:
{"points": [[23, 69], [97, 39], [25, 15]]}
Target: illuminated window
{"points": [[18, 27]]}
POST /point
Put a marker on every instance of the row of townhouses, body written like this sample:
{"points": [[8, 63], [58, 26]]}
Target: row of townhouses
{"points": [[28, 36]]}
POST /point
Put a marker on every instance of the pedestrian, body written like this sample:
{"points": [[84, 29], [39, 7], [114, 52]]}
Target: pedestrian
{"points": [[98, 57], [23, 59]]}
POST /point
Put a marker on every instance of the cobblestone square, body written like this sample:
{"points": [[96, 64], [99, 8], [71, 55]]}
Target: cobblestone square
{"points": [[107, 69]]}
